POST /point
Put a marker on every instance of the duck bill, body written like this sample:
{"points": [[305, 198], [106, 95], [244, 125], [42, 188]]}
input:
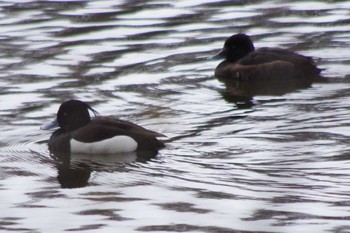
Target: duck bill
{"points": [[219, 55], [49, 125]]}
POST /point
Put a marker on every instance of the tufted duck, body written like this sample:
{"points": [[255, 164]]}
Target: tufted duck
{"points": [[244, 62], [78, 133]]}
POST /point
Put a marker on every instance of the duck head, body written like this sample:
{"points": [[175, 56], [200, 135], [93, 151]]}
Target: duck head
{"points": [[236, 47]]}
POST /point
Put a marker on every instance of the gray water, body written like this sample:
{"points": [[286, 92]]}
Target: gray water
{"points": [[276, 163]]}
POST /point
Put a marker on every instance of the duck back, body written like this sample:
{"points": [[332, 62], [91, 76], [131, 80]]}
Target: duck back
{"points": [[269, 64]]}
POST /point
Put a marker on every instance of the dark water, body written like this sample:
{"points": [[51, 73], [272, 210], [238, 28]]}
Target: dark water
{"points": [[276, 164]]}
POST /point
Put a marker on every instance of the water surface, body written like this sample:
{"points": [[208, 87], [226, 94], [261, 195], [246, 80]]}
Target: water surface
{"points": [[275, 163]]}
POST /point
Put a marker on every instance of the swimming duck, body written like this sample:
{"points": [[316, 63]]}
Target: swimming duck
{"points": [[78, 133], [245, 63]]}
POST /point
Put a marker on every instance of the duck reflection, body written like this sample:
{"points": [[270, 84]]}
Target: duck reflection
{"points": [[74, 170], [242, 93], [241, 102]]}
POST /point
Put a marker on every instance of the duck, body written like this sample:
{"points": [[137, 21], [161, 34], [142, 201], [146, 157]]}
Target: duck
{"points": [[78, 133], [263, 67]]}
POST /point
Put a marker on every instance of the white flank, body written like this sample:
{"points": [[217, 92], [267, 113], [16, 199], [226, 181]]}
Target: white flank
{"points": [[117, 144]]}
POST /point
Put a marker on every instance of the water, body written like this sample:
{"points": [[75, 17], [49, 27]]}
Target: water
{"points": [[279, 163]]}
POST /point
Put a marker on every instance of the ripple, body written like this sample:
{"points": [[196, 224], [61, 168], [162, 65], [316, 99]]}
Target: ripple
{"points": [[266, 164]]}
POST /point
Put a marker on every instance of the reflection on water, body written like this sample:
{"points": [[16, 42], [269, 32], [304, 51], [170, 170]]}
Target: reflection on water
{"points": [[74, 170], [275, 162]]}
